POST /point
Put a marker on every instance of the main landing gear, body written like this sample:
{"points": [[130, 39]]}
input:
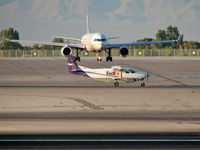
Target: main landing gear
{"points": [[142, 84], [109, 58], [77, 55], [116, 84]]}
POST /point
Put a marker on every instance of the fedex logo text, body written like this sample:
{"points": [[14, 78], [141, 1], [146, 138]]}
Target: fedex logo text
{"points": [[112, 73]]}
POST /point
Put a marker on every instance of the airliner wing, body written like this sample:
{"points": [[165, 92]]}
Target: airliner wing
{"points": [[110, 38], [68, 38], [139, 43], [79, 46]]}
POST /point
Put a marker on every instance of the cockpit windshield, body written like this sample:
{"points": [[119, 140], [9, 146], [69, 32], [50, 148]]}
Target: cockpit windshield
{"points": [[128, 70], [100, 40]]}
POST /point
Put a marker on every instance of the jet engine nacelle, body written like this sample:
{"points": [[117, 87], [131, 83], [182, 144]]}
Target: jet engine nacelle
{"points": [[65, 51], [124, 51]]}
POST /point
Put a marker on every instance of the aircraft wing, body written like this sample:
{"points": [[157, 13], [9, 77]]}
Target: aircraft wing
{"points": [[110, 38], [79, 46], [139, 43], [68, 38]]}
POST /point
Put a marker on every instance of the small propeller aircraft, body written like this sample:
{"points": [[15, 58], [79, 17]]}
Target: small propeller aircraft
{"points": [[114, 74]]}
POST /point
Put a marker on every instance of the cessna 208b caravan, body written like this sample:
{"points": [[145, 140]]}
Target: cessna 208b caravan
{"points": [[114, 74], [92, 42]]}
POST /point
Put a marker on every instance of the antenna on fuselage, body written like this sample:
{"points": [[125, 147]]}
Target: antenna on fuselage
{"points": [[87, 22]]}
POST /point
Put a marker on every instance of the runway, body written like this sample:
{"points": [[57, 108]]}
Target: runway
{"points": [[39, 96], [164, 72]]}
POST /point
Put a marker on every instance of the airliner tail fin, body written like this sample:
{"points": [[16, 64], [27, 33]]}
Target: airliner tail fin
{"points": [[87, 22]]}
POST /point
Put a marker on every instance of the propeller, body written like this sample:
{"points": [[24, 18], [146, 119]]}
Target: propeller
{"points": [[147, 76]]}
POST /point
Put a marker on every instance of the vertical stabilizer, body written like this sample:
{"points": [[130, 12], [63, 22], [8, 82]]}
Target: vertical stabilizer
{"points": [[72, 65], [87, 22], [74, 68]]}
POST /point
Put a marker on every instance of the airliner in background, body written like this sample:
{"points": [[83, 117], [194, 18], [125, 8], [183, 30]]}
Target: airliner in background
{"points": [[91, 42]]}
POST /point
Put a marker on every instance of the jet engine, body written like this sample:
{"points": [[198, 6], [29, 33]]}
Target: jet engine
{"points": [[65, 51], [124, 51]]}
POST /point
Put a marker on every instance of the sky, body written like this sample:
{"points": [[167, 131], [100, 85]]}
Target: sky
{"points": [[129, 19]]}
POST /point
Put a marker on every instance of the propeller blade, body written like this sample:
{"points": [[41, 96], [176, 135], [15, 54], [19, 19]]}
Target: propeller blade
{"points": [[147, 76]]}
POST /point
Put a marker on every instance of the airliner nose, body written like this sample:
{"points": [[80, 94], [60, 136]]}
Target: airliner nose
{"points": [[99, 46]]}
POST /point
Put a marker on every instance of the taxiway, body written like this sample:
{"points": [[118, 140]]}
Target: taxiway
{"points": [[38, 95]]}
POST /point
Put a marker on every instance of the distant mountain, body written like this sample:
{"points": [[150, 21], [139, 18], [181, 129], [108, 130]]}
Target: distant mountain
{"points": [[141, 17], [134, 10]]}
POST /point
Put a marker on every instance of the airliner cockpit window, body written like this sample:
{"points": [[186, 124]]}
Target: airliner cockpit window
{"points": [[100, 40]]}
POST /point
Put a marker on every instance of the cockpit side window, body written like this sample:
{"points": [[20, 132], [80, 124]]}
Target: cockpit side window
{"points": [[131, 71], [128, 70]]}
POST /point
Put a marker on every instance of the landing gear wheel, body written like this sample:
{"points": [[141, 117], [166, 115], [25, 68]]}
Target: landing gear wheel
{"points": [[77, 58], [108, 58], [142, 84], [99, 59], [116, 84]]}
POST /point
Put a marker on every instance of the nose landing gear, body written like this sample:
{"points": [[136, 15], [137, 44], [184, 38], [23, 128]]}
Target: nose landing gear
{"points": [[99, 58], [116, 84]]}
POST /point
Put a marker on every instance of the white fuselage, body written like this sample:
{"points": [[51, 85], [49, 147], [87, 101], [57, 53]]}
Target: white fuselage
{"points": [[94, 41], [108, 74]]}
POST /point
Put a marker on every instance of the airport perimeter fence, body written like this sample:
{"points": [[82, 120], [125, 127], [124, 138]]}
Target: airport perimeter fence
{"points": [[132, 53]]}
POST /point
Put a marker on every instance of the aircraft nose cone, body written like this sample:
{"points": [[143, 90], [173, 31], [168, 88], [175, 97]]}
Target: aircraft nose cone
{"points": [[99, 47]]}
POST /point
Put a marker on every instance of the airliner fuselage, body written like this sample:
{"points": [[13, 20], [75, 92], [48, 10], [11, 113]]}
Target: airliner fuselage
{"points": [[94, 41]]}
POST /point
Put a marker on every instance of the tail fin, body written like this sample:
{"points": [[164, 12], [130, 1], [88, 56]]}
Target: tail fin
{"points": [[72, 65], [87, 22], [74, 68]]}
